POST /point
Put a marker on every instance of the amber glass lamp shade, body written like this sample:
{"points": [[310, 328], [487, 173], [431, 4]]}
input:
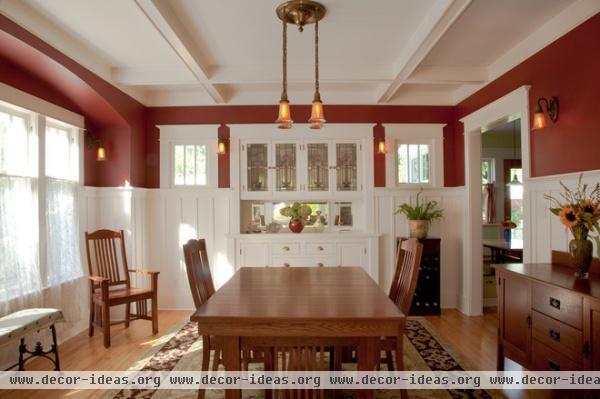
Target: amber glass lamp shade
{"points": [[317, 120], [285, 115], [222, 147], [381, 148], [101, 153], [539, 119]]}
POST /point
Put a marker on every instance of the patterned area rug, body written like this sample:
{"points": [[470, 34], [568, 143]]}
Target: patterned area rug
{"points": [[182, 350]]}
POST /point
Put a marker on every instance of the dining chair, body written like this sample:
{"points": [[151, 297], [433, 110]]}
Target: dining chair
{"points": [[202, 288], [402, 289], [110, 284]]}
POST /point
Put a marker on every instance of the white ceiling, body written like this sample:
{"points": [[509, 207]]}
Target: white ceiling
{"points": [[190, 52]]}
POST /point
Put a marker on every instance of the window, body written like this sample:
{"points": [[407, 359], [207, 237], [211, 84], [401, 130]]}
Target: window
{"points": [[189, 165], [39, 185], [413, 163]]}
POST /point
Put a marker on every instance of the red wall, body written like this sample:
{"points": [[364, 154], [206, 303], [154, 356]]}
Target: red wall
{"points": [[238, 114], [29, 64], [569, 68]]}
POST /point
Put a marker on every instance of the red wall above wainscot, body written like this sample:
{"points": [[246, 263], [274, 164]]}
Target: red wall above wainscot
{"points": [[569, 68]]}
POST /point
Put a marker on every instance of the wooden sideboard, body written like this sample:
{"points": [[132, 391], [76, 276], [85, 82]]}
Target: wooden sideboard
{"points": [[548, 320]]}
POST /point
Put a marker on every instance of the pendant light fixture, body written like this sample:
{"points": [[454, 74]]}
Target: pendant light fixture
{"points": [[300, 13], [285, 115], [515, 180]]}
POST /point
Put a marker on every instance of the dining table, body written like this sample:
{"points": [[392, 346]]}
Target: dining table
{"points": [[304, 303], [503, 251]]}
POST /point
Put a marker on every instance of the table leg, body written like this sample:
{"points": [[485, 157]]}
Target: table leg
{"points": [[231, 361], [369, 357], [400, 356]]}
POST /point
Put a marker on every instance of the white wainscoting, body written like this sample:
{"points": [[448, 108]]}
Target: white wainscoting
{"points": [[547, 233], [450, 229]]}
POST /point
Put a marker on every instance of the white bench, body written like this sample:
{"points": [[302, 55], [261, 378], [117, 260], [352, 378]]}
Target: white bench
{"points": [[17, 325]]}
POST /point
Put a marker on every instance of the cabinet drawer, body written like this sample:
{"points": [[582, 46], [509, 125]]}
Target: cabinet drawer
{"points": [[285, 249], [544, 358], [301, 261], [557, 303], [558, 336], [317, 249]]}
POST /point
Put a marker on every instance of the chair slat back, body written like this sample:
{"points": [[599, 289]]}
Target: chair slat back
{"points": [[198, 271], [106, 256], [404, 283]]}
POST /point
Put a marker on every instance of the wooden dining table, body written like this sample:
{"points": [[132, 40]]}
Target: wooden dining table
{"points": [[305, 303]]}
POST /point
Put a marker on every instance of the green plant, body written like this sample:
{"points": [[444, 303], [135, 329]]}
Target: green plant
{"points": [[296, 211], [421, 211]]}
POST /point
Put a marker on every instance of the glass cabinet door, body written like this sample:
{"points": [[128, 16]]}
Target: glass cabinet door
{"points": [[317, 155], [285, 167], [346, 166], [257, 164]]}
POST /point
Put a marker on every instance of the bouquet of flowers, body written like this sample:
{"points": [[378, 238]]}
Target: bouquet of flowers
{"points": [[508, 224], [579, 211]]}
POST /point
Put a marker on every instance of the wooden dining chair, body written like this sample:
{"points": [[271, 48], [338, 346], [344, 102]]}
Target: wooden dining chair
{"points": [[202, 288], [402, 289], [110, 284]]}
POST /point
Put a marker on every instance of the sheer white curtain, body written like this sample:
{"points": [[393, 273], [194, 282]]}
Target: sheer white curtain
{"points": [[21, 282]]}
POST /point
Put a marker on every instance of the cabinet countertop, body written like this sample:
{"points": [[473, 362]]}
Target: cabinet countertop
{"points": [[556, 275], [303, 236]]}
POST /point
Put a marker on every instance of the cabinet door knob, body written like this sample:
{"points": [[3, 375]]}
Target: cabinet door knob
{"points": [[555, 335], [286, 265], [320, 248], [320, 264], [555, 303], [286, 248]]}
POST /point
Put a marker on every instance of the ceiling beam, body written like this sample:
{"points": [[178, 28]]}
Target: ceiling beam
{"points": [[437, 22], [166, 22]]}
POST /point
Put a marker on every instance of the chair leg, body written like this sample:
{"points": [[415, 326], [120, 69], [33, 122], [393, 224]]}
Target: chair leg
{"points": [[389, 360], [92, 315], [106, 324], [154, 313], [127, 313]]}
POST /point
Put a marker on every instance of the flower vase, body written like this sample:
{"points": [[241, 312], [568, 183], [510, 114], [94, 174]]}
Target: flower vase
{"points": [[507, 234], [581, 251], [418, 228], [296, 226]]}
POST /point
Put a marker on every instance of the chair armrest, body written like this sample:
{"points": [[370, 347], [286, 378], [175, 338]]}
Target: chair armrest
{"points": [[97, 279], [143, 271]]}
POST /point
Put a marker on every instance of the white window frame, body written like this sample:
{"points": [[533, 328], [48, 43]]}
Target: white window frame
{"points": [[171, 135], [37, 122], [431, 134]]}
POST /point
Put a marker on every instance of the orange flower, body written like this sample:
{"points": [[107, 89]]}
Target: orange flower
{"points": [[588, 206], [568, 217]]}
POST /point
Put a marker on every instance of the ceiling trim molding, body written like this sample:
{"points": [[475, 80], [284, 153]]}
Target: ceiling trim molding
{"points": [[427, 35], [167, 24]]}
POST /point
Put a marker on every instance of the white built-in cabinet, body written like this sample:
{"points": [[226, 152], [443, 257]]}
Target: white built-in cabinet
{"points": [[310, 249], [301, 169]]}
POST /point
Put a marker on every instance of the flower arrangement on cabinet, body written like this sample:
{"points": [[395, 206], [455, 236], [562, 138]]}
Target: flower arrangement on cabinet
{"points": [[298, 214], [579, 211], [420, 216]]}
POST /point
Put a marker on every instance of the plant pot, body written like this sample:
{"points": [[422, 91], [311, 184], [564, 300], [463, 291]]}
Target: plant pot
{"points": [[581, 251], [296, 226], [418, 228]]}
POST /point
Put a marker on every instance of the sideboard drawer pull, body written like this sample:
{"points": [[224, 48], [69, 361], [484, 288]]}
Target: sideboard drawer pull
{"points": [[555, 303], [320, 264], [286, 248], [319, 248], [555, 335], [553, 366], [286, 265]]}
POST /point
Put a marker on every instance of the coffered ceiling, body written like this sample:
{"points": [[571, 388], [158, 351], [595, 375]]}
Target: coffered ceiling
{"points": [[191, 52]]}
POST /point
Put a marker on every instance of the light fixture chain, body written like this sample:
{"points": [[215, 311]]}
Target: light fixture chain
{"points": [[317, 56], [284, 93]]}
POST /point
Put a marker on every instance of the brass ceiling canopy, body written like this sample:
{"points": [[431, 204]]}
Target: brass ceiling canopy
{"points": [[301, 12]]}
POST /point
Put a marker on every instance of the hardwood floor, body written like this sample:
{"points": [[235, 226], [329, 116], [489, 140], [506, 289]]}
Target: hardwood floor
{"points": [[473, 337]]}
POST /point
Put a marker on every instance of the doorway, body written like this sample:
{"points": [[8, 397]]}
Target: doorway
{"points": [[502, 201], [513, 107]]}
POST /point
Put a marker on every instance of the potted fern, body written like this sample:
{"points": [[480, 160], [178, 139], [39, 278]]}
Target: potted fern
{"points": [[420, 216]]}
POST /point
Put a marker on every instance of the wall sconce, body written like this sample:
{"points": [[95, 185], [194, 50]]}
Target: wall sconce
{"points": [[550, 107], [380, 143], [101, 150], [222, 146]]}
